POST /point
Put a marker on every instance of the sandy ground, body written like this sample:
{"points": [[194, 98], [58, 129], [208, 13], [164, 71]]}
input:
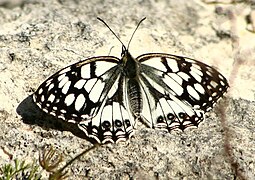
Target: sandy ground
{"points": [[37, 38]]}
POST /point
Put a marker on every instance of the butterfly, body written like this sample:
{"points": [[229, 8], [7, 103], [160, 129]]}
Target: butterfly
{"points": [[106, 96]]}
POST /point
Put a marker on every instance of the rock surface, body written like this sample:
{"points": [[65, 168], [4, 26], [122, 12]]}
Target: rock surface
{"points": [[39, 37]]}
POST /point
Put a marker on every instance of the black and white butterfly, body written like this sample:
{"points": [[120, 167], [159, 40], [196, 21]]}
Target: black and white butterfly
{"points": [[106, 95]]}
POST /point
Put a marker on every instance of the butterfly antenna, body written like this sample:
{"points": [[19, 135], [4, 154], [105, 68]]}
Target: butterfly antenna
{"points": [[135, 30], [111, 31]]}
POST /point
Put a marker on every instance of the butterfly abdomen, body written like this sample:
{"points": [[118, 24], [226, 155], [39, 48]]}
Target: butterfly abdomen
{"points": [[134, 97]]}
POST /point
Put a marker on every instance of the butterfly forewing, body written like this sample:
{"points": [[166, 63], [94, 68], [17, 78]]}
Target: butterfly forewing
{"points": [[77, 92]]}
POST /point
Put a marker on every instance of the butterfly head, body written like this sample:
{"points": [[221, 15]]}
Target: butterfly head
{"points": [[124, 51], [125, 55]]}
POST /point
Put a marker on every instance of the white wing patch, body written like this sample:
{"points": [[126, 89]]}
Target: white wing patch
{"points": [[69, 99], [80, 102], [95, 91]]}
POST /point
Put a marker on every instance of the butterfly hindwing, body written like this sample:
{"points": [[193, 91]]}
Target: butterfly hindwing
{"points": [[114, 121]]}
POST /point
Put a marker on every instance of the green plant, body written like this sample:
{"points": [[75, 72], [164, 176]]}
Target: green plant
{"points": [[20, 170]]}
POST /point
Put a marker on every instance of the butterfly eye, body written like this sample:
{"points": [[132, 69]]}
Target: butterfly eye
{"points": [[124, 51]]}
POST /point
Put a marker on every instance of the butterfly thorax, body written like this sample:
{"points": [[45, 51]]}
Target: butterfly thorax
{"points": [[130, 65]]}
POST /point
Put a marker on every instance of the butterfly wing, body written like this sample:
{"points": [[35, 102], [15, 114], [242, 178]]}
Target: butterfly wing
{"points": [[87, 93], [178, 90]]}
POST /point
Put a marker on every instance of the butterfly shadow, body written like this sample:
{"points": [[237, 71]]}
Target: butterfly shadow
{"points": [[31, 114]]}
